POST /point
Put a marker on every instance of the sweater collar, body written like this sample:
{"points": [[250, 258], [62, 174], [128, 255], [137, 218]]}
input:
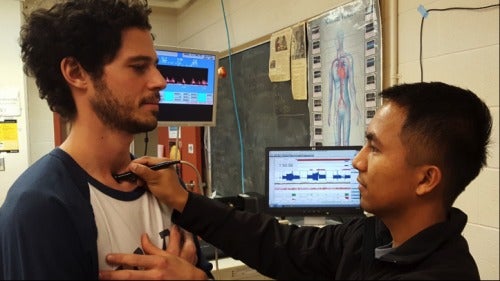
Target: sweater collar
{"points": [[432, 237]]}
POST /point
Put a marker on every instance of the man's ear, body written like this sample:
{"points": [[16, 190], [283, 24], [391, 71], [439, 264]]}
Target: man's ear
{"points": [[73, 73], [430, 177]]}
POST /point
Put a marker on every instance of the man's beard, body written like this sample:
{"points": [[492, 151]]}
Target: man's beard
{"points": [[116, 115]]}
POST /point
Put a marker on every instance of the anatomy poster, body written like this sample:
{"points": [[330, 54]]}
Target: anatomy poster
{"points": [[344, 59]]}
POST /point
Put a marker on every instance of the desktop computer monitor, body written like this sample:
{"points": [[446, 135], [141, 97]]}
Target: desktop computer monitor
{"points": [[190, 97], [315, 183]]}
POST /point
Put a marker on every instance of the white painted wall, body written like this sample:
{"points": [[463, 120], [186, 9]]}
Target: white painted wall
{"points": [[11, 77], [202, 25], [461, 48]]}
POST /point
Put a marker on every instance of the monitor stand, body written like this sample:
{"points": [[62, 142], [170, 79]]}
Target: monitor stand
{"points": [[312, 221]]}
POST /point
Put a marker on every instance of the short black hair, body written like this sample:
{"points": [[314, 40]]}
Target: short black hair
{"points": [[445, 126]]}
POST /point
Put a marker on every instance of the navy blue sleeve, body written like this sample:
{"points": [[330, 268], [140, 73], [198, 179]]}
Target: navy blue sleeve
{"points": [[39, 240]]}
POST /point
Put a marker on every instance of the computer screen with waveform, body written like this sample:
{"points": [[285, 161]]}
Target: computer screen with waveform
{"points": [[190, 97], [312, 181]]}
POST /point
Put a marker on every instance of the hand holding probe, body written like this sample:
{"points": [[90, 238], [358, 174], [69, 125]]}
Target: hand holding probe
{"points": [[129, 176]]}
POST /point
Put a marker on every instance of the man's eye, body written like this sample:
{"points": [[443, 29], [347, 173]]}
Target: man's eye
{"points": [[139, 68]]}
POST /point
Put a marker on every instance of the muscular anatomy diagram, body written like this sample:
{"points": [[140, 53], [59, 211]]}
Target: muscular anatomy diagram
{"points": [[342, 93]]}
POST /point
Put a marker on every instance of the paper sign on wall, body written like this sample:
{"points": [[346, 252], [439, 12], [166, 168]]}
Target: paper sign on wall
{"points": [[9, 141], [10, 104]]}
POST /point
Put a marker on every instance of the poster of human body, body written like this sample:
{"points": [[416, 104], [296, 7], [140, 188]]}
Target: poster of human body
{"points": [[344, 72]]}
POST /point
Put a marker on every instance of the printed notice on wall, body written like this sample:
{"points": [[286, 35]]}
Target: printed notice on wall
{"points": [[298, 64], [174, 132], [9, 141], [9, 102], [279, 56]]}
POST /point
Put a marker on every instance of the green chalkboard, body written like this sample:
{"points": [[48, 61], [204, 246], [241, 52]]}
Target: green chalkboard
{"points": [[268, 116]]}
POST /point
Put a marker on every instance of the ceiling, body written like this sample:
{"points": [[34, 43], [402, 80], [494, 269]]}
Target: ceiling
{"points": [[171, 4]]}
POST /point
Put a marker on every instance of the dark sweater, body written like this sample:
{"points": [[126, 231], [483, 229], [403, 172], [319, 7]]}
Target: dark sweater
{"points": [[342, 252]]}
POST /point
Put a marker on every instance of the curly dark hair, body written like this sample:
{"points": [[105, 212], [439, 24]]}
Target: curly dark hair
{"points": [[446, 126], [89, 31]]}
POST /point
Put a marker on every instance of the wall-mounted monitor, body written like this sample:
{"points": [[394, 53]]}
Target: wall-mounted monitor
{"points": [[190, 97], [312, 182]]}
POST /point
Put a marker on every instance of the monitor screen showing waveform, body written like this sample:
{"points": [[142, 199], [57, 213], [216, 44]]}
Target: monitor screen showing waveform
{"points": [[312, 181]]}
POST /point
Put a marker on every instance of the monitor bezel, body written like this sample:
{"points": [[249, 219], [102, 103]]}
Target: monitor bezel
{"points": [[309, 211], [180, 109]]}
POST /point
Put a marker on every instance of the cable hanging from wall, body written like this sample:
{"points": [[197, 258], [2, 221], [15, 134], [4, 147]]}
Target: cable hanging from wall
{"points": [[242, 161], [424, 12]]}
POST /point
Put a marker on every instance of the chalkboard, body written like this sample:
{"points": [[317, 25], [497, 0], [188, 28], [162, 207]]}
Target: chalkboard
{"points": [[268, 116]]}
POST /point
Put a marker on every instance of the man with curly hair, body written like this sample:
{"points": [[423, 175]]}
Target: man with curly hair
{"points": [[94, 62]]}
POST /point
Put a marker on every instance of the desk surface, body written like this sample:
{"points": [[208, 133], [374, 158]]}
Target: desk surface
{"points": [[231, 269], [226, 263]]}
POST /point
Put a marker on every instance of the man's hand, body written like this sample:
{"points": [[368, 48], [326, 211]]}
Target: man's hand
{"points": [[176, 263], [180, 244], [163, 183]]}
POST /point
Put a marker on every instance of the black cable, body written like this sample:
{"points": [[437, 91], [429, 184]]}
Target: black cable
{"points": [[146, 140], [440, 10]]}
